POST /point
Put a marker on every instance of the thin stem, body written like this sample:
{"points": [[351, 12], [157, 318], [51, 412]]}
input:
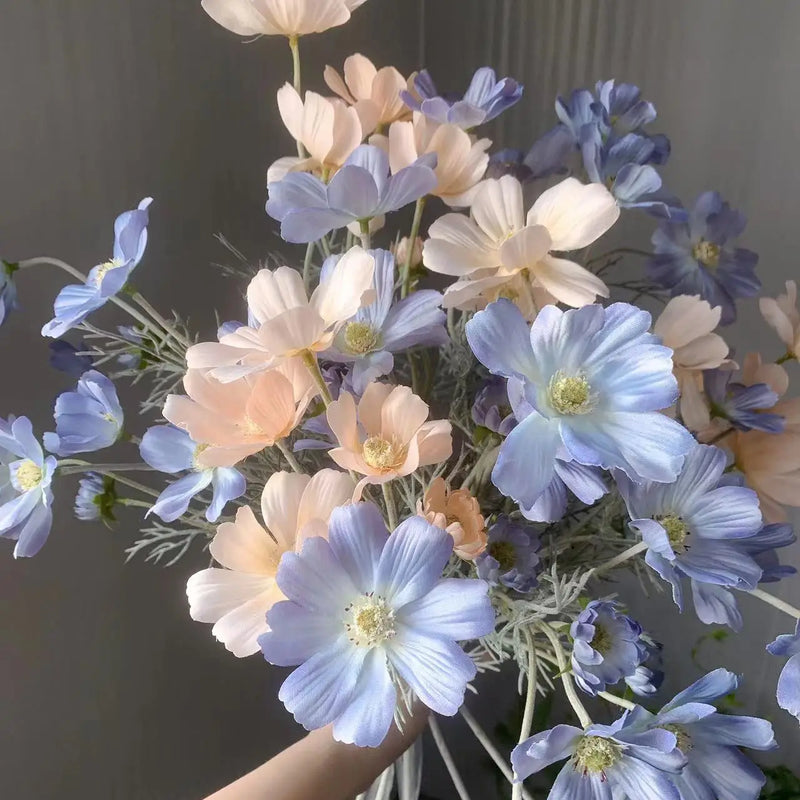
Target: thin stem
{"points": [[139, 487], [415, 225], [624, 556], [412, 362], [310, 360], [788, 356], [366, 239], [776, 602], [530, 704], [617, 701], [73, 469], [391, 509], [294, 46], [129, 501], [566, 677], [619, 251], [165, 324], [289, 456], [461, 789], [485, 458], [307, 266]]}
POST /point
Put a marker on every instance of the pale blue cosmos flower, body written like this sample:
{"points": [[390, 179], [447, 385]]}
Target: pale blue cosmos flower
{"points": [[66, 357], [88, 419], [171, 450], [75, 302], [788, 694], [510, 557], [492, 408], [8, 290], [596, 380], [362, 189], [485, 99], [604, 761], [369, 339], [25, 494], [96, 498], [710, 741], [363, 606], [743, 406]]}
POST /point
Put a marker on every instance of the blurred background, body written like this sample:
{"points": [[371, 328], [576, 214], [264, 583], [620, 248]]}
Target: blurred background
{"points": [[108, 690]]}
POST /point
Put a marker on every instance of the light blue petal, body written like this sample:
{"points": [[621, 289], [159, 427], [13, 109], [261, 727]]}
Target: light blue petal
{"points": [[416, 320], [308, 225], [357, 535], [709, 688], [714, 561], [635, 181], [732, 774], [715, 605], [667, 571], [574, 785], [130, 233], [788, 644], [544, 749], [729, 512], [228, 484], [407, 186], [16, 511], [702, 470], [640, 380], [352, 190], [383, 281], [27, 445], [34, 532], [585, 483], [624, 326], [167, 449], [374, 161], [551, 503], [296, 634], [72, 305], [564, 340], [367, 369], [174, 501], [736, 731], [298, 190], [788, 694], [637, 779]]}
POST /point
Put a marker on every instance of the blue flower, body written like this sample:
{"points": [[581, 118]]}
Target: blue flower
{"points": [[710, 741], [362, 189], [65, 357], [743, 406], [596, 381], [763, 548], [25, 495], [171, 450], [96, 498], [75, 302], [623, 108], [693, 527], [510, 557], [88, 419], [698, 256], [492, 408], [485, 99], [370, 606], [368, 340], [547, 156], [604, 760], [788, 694], [8, 290]]}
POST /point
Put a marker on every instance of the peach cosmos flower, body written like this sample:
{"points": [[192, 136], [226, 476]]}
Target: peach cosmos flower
{"points": [[782, 315], [387, 435], [686, 326], [237, 597], [249, 414], [461, 159], [459, 513], [400, 251], [497, 244], [287, 322], [374, 93], [285, 17]]}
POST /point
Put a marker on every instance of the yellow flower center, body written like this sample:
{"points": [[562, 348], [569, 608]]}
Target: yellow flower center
{"points": [[504, 554], [360, 338], [684, 743], [198, 451], [29, 476], [370, 621], [602, 640], [104, 268], [596, 754], [707, 253], [677, 532], [570, 394], [380, 453]]}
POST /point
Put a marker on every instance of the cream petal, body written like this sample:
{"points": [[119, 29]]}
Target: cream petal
{"points": [[341, 416], [337, 85], [317, 131], [402, 414], [203, 424], [229, 399], [685, 318], [245, 546], [347, 459], [328, 489], [569, 282], [240, 628], [280, 502], [347, 133], [386, 90], [302, 17], [279, 169], [209, 355], [370, 407], [694, 409], [402, 145], [238, 16], [525, 249], [293, 331], [777, 319], [290, 107], [271, 292], [470, 295], [368, 116], [347, 289], [497, 207], [435, 442], [457, 246], [271, 407], [359, 73], [705, 352], [216, 456], [213, 593]]}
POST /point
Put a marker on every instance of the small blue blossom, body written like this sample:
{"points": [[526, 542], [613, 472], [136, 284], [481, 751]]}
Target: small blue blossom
{"points": [[65, 357], [788, 694], [362, 189], [370, 606], [171, 450], [763, 548], [485, 99], [26, 498], [88, 419], [510, 557], [8, 290], [492, 408], [75, 302], [699, 256], [624, 110], [745, 407], [96, 498]]}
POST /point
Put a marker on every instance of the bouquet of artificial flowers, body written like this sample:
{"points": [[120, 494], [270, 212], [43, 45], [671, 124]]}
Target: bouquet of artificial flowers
{"points": [[420, 457]]}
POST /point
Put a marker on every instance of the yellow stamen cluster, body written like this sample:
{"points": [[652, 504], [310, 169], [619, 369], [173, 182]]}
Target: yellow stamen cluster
{"points": [[29, 476], [360, 338], [595, 754], [198, 451], [677, 532], [382, 454], [102, 269], [684, 743], [707, 253], [570, 394], [601, 641], [504, 554], [370, 621]]}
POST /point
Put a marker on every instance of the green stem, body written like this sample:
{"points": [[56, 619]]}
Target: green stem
{"points": [[76, 468], [128, 501], [624, 556], [452, 770], [617, 701], [619, 251], [566, 676], [297, 81], [786, 357], [165, 324], [366, 239], [415, 225], [530, 704], [391, 509], [307, 266], [310, 360], [289, 456]]}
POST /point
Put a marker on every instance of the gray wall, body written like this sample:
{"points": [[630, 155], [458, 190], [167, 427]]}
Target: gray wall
{"points": [[107, 689]]}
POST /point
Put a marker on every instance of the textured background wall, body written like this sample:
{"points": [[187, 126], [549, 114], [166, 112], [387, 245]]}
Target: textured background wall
{"points": [[107, 688]]}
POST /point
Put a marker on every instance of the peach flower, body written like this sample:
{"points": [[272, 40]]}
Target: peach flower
{"points": [[686, 326], [400, 251], [459, 513], [285, 17], [374, 93], [237, 597], [461, 160], [287, 322], [249, 414], [387, 436], [782, 315]]}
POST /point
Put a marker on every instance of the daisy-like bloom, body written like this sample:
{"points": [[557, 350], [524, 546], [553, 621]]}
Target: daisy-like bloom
{"points": [[386, 436], [75, 302], [782, 315], [457, 512], [96, 498], [510, 557], [595, 380], [285, 322], [745, 407], [26, 498], [88, 419], [249, 414], [374, 93], [460, 161], [604, 760], [279, 17], [699, 256], [497, 243], [686, 326], [788, 694], [710, 741], [171, 450], [485, 99], [236, 597], [372, 606]]}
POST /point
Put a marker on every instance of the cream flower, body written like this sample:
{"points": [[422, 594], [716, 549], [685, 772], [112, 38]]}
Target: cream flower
{"points": [[459, 513], [461, 161], [287, 322], [374, 93], [237, 597], [497, 243], [387, 436], [686, 326], [782, 315], [285, 17], [250, 414]]}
